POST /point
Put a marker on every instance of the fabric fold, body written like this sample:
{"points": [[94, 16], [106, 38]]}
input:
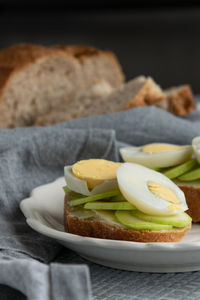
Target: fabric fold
{"points": [[42, 282], [70, 281]]}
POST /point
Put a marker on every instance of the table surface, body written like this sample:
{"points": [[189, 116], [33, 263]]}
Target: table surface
{"points": [[113, 284]]}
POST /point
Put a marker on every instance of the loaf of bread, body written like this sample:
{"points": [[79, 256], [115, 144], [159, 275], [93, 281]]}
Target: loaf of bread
{"points": [[140, 91], [99, 229], [47, 85], [79, 107], [34, 79]]}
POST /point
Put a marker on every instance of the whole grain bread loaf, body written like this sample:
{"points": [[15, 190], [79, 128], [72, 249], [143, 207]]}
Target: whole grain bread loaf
{"points": [[140, 91], [34, 79], [99, 229]]}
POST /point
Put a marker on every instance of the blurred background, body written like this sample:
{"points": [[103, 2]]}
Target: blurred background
{"points": [[157, 38]]}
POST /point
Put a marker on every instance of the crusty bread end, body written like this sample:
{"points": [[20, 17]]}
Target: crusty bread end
{"points": [[178, 100]]}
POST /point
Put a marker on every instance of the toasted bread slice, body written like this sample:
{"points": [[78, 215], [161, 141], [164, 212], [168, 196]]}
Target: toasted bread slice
{"points": [[99, 229]]}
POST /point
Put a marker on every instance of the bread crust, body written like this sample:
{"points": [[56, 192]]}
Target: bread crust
{"points": [[18, 57], [178, 100], [83, 52], [192, 195], [97, 229], [149, 94], [86, 66]]}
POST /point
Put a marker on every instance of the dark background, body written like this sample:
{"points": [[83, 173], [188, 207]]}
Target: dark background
{"points": [[157, 38]]}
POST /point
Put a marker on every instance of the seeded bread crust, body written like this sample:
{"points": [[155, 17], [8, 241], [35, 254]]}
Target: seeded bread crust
{"points": [[33, 78], [178, 100], [192, 195], [97, 229]]}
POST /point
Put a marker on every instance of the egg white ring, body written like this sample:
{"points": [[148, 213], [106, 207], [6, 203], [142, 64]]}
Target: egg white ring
{"points": [[80, 186], [156, 160], [135, 189], [195, 147]]}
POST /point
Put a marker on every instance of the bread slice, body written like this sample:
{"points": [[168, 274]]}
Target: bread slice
{"points": [[192, 195], [178, 100], [140, 91], [99, 229], [34, 79], [76, 108]]}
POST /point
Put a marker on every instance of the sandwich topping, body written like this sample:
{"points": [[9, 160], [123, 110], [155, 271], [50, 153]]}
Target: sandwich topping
{"points": [[160, 148], [180, 163], [125, 194], [150, 191], [196, 147], [95, 171], [92, 176], [157, 155], [163, 192]]}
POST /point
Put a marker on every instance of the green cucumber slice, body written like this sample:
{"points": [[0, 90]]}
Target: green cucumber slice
{"points": [[179, 220], [181, 169], [84, 200], [66, 189], [117, 198], [193, 175], [109, 205], [126, 218]]}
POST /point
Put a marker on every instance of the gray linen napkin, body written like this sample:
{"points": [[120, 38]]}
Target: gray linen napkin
{"points": [[34, 156]]}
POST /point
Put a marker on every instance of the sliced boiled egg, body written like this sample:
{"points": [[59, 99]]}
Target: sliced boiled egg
{"points": [[92, 176], [196, 147], [157, 155], [150, 191]]}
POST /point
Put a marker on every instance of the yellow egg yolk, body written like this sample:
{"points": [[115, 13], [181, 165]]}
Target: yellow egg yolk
{"points": [[164, 193], [95, 171], [159, 148]]}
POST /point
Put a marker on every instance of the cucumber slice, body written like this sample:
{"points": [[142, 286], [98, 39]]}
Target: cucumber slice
{"points": [[66, 189], [73, 195], [117, 198], [107, 216], [179, 220], [110, 205], [193, 175], [126, 218], [84, 200], [181, 169]]}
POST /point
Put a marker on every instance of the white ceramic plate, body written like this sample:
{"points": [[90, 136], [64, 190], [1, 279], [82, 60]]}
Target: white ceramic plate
{"points": [[44, 213]]}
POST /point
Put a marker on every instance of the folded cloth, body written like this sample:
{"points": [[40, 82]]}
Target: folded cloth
{"points": [[31, 157], [35, 156], [43, 282]]}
